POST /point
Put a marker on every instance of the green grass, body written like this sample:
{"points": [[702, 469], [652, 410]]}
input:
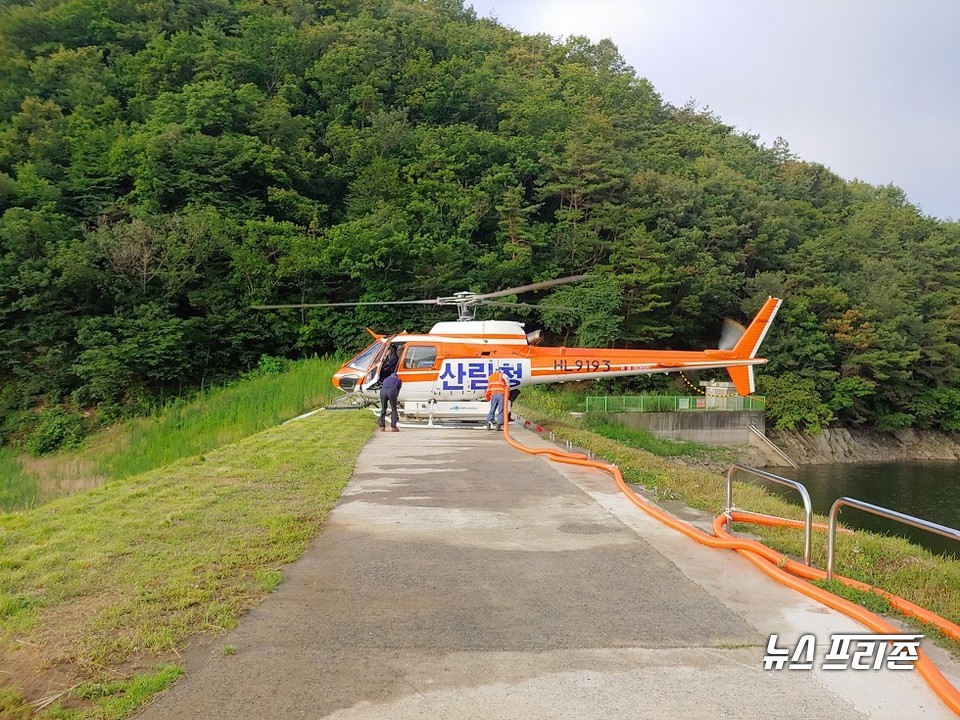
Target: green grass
{"points": [[186, 428], [115, 699], [13, 706], [183, 428], [127, 572], [890, 563], [268, 579], [558, 406], [18, 488], [554, 402], [642, 439]]}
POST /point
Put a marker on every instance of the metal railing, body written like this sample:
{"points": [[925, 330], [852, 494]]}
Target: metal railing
{"points": [[807, 506], [916, 522], [767, 442], [882, 512], [673, 403]]}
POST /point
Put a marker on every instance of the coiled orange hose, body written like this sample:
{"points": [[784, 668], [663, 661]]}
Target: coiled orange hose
{"points": [[777, 566]]}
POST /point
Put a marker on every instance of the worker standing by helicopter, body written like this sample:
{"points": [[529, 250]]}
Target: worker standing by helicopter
{"points": [[390, 363], [389, 391], [496, 386]]}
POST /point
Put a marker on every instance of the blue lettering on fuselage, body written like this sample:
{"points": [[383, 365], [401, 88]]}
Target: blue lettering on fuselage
{"points": [[471, 375]]}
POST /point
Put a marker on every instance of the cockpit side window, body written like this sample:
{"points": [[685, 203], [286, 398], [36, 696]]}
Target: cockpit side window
{"points": [[420, 357], [362, 361]]}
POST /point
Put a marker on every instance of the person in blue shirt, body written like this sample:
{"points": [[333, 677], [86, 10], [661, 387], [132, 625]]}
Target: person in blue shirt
{"points": [[389, 392]]}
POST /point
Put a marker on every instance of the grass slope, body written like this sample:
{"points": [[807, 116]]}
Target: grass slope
{"points": [[117, 576], [182, 428]]}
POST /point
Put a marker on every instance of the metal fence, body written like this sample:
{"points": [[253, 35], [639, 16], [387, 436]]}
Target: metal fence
{"points": [[673, 403]]}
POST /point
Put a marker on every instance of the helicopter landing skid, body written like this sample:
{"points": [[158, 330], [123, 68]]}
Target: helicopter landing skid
{"points": [[351, 401], [442, 415], [445, 413]]}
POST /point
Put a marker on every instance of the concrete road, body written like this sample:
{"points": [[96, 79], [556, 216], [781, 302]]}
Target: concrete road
{"points": [[460, 578]]}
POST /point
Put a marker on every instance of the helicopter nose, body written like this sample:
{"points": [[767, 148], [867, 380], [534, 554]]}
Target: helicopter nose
{"points": [[347, 383]]}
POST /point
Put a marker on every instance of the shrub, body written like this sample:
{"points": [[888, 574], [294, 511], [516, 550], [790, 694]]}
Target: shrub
{"points": [[270, 365], [56, 428], [793, 403]]}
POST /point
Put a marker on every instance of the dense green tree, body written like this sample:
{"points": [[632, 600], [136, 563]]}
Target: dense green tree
{"points": [[165, 165]]}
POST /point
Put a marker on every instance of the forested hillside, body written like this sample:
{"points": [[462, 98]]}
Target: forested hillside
{"points": [[165, 165]]}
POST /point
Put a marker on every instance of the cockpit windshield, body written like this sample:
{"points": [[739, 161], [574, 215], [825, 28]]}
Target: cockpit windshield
{"points": [[362, 361]]}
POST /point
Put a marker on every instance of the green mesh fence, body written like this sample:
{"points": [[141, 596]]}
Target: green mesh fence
{"points": [[673, 403]]}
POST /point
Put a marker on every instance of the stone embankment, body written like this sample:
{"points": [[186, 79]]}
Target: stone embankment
{"points": [[839, 445]]}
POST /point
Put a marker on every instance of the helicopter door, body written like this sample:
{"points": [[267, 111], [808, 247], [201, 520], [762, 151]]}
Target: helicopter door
{"points": [[417, 371], [371, 380]]}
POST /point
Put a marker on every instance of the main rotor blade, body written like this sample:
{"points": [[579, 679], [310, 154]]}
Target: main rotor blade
{"points": [[529, 305], [469, 300], [435, 301], [531, 287]]}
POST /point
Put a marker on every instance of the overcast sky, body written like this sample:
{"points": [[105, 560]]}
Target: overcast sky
{"points": [[868, 88]]}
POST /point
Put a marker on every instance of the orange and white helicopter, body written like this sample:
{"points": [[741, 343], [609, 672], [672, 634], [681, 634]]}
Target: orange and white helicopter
{"points": [[445, 371]]}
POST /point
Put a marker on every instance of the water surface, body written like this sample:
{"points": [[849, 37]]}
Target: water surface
{"points": [[929, 490]]}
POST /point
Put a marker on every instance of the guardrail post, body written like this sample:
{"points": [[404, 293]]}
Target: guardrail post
{"points": [[804, 495]]}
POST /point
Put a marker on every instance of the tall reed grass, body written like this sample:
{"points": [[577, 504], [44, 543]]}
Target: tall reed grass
{"points": [[217, 417], [182, 428], [18, 488]]}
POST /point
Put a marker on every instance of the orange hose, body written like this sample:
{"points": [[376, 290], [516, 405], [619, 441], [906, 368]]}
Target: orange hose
{"points": [[777, 566], [757, 519], [905, 606]]}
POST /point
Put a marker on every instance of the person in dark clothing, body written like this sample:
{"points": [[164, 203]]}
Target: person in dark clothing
{"points": [[390, 363], [388, 394], [514, 394]]}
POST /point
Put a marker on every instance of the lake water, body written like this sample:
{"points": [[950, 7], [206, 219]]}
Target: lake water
{"points": [[927, 490]]}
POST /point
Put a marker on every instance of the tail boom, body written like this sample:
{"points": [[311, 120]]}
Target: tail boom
{"points": [[549, 364]]}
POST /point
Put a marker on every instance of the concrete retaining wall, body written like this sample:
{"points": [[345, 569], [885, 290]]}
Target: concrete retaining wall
{"points": [[710, 428]]}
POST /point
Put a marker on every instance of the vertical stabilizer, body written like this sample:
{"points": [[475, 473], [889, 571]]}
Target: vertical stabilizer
{"points": [[746, 348], [750, 342], [742, 377]]}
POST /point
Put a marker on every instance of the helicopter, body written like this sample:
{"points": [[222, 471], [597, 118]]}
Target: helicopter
{"points": [[445, 371]]}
